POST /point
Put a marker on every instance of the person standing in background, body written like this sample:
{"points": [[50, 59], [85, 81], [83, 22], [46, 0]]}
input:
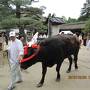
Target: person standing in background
{"points": [[2, 45], [88, 44], [22, 39], [88, 41], [15, 54]]}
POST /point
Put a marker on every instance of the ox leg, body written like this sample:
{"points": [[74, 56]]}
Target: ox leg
{"points": [[58, 70], [44, 70], [75, 61], [70, 64]]}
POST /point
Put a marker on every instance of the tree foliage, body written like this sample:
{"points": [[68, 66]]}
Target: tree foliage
{"points": [[5, 9], [30, 11], [87, 26], [85, 12], [21, 16], [64, 18], [29, 17], [83, 18], [18, 4], [71, 20]]}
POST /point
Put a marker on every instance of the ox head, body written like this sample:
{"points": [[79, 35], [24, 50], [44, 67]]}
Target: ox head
{"points": [[30, 52], [30, 56]]}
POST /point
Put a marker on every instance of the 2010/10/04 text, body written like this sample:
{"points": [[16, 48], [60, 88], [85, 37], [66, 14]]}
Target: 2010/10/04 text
{"points": [[78, 77]]}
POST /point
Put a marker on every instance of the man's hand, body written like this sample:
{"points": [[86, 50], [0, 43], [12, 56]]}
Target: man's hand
{"points": [[20, 57]]}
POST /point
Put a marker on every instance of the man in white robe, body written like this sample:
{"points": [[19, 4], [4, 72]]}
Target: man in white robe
{"points": [[15, 52]]}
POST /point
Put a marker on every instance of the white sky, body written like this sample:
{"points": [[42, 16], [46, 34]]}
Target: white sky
{"points": [[67, 8]]}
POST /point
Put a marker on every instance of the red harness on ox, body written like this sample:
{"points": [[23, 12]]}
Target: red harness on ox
{"points": [[26, 52], [26, 49]]}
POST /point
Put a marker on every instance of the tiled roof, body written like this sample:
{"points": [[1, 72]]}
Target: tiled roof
{"points": [[56, 20]]}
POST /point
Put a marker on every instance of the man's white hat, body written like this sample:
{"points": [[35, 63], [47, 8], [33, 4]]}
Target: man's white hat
{"points": [[12, 33]]}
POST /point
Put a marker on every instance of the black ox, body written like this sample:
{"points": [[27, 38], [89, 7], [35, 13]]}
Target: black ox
{"points": [[53, 51]]}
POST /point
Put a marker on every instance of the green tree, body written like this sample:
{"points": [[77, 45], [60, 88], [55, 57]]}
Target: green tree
{"points": [[27, 17], [5, 9], [18, 4], [30, 18], [85, 11], [71, 20], [64, 18], [87, 26], [30, 11]]}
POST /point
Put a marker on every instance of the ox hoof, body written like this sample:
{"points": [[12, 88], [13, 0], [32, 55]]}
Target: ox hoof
{"points": [[68, 71], [76, 67], [58, 79], [39, 85]]}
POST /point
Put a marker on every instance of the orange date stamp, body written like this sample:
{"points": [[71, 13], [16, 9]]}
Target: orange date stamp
{"points": [[78, 77]]}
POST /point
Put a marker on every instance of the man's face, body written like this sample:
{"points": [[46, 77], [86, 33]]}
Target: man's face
{"points": [[12, 38], [22, 38]]}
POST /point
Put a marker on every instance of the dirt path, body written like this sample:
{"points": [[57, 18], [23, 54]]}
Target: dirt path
{"points": [[76, 80]]}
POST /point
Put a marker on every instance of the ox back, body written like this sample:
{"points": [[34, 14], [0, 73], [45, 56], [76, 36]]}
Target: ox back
{"points": [[53, 51]]}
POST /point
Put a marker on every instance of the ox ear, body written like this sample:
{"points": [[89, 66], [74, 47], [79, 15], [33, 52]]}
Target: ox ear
{"points": [[33, 40]]}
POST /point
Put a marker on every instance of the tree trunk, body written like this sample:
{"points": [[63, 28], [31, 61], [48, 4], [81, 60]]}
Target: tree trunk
{"points": [[22, 33], [18, 13]]}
